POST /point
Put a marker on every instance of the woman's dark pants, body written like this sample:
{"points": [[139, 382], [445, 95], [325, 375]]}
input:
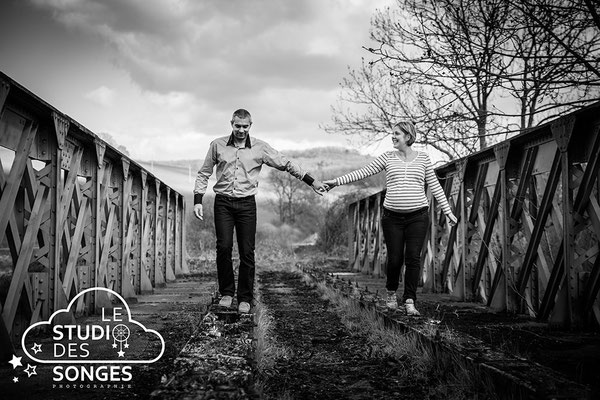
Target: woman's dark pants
{"points": [[404, 234], [238, 213]]}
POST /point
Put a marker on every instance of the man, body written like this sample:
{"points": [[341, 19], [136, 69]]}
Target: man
{"points": [[239, 159]]}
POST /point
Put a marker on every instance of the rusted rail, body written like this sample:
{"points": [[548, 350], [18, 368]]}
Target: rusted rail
{"points": [[529, 223], [75, 213]]}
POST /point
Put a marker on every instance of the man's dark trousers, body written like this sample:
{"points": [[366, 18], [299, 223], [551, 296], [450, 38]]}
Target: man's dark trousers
{"points": [[240, 213]]}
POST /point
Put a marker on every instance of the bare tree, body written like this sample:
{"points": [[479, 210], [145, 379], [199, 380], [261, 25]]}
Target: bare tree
{"points": [[285, 187], [294, 197], [574, 25], [375, 101], [378, 98], [542, 75], [436, 65], [467, 70], [296, 204]]}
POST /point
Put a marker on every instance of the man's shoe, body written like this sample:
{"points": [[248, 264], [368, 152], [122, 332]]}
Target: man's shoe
{"points": [[244, 307], [226, 301], [409, 305], [391, 301]]}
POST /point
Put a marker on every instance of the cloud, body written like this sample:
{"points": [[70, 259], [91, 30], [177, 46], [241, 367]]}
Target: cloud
{"points": [[188, 64], [102, 95], [112, 339], [220, 47]]}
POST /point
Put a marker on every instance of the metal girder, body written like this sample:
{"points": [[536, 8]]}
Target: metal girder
{"points": [[562, 130], [491, 216], [9, 193], [4, 90], [479, 189], [524, 183], [125, 165], [592, 288], [589, 176], [20, 272], [540, 221], [450, 246], [159, 277], [501, 152], [100, 150], [61, 127], [61, 213], [557, 279]]}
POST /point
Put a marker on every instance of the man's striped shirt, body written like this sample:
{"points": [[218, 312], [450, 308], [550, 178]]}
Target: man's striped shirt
{"points": [[405, 181]]}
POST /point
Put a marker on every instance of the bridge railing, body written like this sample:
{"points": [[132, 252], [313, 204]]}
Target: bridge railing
{"points": [[75, 213], [529, 222]]}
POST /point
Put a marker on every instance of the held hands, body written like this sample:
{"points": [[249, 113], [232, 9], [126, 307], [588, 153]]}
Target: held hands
{"points": [[330, 184], [322, 187], [198, 212], [319, 187]]}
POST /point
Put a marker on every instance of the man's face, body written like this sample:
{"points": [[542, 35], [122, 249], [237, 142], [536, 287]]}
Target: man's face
{"points": [[240, 127]]}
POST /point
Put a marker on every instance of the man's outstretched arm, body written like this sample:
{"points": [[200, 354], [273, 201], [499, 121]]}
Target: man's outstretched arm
{"points": [[202, 180], [276, 160]]}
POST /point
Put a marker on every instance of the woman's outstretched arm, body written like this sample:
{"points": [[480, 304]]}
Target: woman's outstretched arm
{"points": [[374, 167]]}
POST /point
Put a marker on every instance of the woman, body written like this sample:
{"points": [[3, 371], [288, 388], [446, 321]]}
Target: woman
{"points": [[405, 209]]}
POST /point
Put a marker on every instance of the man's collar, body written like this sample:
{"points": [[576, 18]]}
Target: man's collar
{"points": [[248, 142]]}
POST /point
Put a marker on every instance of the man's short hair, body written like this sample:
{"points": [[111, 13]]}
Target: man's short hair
{"points": [[241, 114]]}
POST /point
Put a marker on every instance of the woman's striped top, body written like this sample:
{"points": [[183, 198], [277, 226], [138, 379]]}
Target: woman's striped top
{"points": [[405, 181]]}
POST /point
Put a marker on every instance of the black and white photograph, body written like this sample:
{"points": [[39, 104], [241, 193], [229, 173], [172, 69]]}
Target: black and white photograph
{"points": [[300, 199]]}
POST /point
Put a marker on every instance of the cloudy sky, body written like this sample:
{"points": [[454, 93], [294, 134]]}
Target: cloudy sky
{"points": [[163, 76]]}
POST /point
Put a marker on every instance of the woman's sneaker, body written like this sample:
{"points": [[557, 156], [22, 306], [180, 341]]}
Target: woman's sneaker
{"points": [[391, 301], [244, 307], [409, 306], [226, 301]]}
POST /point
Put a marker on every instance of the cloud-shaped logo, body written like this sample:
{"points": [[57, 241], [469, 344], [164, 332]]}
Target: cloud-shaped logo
{"points": [[112, 337]]}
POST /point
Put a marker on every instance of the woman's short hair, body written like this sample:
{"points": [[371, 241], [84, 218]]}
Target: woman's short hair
{"points": [[408, 128]]}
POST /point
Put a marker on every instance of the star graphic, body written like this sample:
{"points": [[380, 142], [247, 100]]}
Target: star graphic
{"points": [[37, 348], [15, 379], [16, 361], [114, 345], [121, 353], [126, 345], [30, 370]]}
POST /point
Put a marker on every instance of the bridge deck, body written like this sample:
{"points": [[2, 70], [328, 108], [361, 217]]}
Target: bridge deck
{"points": [[570, 353], [178, 311]]}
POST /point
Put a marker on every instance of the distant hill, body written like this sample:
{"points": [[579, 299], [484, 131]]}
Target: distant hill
{"points": [[329, 162], [179, 176], [321, 162]]}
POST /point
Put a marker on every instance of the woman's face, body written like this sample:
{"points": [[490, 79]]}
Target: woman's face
{"points": [[399, 138]]}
